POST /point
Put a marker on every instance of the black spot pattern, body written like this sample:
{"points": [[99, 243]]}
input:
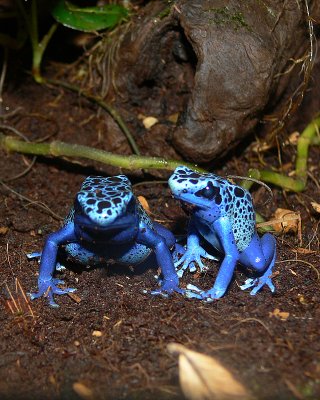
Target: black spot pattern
{"points": [[217, 193], [103, 199]]}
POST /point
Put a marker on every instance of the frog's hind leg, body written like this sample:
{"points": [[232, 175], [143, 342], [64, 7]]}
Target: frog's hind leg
{"points": [[260, 255], [177, 250], [170, 239]]}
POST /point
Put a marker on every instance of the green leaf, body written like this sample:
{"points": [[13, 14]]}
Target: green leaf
{"points": [[88, 19]]}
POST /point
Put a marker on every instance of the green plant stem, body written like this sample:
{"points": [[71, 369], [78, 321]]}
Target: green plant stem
{"points": [[38, 51], [298, 183], [107, 107], [38, 48], [60, 149]]}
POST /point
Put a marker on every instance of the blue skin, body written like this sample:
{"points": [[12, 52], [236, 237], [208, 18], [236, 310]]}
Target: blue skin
{"points": [[223, 214], [106, 223]]}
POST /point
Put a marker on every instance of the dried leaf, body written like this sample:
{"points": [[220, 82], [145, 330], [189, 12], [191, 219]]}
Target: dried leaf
{"points": [[316, 206], [3, 230], [302, 250], [173, 118], [293, 138], [286, 221], [302, 299], [74, 297], [148, 122], [82, 391], [144, 203], [283, 315], [204, 378]]}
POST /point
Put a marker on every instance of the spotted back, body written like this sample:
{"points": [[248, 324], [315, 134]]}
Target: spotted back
{"points": [[103, 199], [220, 196]]}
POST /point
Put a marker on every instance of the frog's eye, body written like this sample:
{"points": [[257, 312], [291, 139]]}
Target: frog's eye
{"points": [[208, 192]]}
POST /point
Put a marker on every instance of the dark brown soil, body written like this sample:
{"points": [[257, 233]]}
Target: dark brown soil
{"points": [[44, 355]]}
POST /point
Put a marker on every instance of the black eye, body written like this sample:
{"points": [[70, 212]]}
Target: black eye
{"points": [[184, 191], [208, 192]]}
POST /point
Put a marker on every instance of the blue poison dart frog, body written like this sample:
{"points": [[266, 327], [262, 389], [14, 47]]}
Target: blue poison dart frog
{"points": [[223, 214], [106, 223]]}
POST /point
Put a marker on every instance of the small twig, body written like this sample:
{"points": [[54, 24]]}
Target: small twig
{"points": [[37, 203], [23, 173], [17, 309], [11, 113], [18, 284], [107, 107], [303, 262], [3, 76], [250, 179], [254, 320]]}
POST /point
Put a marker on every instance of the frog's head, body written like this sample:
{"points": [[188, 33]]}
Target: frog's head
{"points": [[105, 204], [200, 190]]}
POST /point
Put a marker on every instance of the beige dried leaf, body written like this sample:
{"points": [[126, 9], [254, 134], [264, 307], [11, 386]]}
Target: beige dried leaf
{"points": [[204, 378], [302, 250], [286, 221], [82, 391], [316, 206], [283, 315], [173, 118], [74, 297], [3, 230], [148, 122], [144, 203]]}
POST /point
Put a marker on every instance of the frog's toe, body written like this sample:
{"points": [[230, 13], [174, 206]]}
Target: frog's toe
{"points": [[248, 283], [60, 291], [181, 271], [159, 292], [52, 303], [60, 267], [192, 267], [213, 294], [193, 292], [260, 283], [168, 287], [36, 254], [34, 296]]}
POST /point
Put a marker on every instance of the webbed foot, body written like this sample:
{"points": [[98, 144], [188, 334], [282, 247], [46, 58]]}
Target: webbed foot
{"points": [[258, 283], [167, 287], [48, 288], [190, 258], [193, 292]]}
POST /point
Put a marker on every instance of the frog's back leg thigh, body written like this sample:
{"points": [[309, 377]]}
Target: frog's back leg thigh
{"points": [[170, 240], [165, 233], [260, 253]]}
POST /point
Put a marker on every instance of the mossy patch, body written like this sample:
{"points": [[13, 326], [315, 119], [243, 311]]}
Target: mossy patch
{"points": [[226, 16]]}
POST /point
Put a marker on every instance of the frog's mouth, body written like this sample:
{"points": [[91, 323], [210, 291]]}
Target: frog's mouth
{"points": [[187, 207]]}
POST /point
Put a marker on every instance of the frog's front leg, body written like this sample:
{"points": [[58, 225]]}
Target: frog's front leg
{"points": [[194, 251], [158, 244], [177, 250], [260, 255], [47, 285], [223, 230]]}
